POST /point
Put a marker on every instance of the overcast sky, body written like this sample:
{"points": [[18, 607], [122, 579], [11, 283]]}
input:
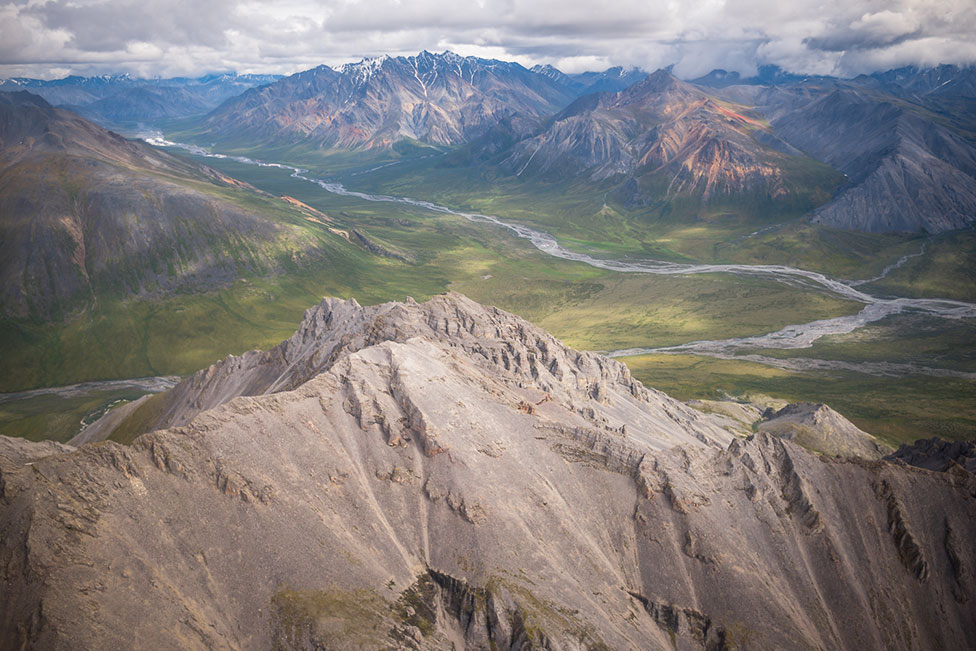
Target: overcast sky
{"points": [[53, 38]]}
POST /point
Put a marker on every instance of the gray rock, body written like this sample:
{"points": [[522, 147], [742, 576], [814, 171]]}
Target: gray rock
{"points": [[418, 491], [937, 454], [600, 391]]}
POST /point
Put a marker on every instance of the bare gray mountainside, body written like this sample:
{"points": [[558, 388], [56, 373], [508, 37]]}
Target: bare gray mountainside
{"points": [[416, 495], [905, 170], [86, 213], [437, 99], [816, 427], [601, 391]]}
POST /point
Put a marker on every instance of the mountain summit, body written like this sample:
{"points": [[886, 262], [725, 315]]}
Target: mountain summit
{"points": [[437, 99], [446, 475]]}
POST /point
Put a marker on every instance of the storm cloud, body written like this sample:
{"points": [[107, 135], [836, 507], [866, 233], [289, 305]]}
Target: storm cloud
{"points": [[52, 38]]}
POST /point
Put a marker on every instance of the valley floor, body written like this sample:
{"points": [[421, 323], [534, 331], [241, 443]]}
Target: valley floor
{"points": [[902, 368]]}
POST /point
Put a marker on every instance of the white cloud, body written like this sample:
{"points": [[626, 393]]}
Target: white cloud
{"points": [[168, 37]]}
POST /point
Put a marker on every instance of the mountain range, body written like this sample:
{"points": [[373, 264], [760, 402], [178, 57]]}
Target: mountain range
{"points": [[654, 142], [906, 169], [667, 138], [125, 99], [436, 99], [903, 139], [903, 146], [445, 475]]}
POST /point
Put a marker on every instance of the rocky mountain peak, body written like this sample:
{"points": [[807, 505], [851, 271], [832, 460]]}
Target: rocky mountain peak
{"points": [[658, 81], [364, 70], [503, 349], [444, 475], [937, 454], [551, 71]]}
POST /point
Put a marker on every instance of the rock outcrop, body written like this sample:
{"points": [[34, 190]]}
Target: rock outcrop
{"points": [[447, 476], [504, 347], [937, 454]]}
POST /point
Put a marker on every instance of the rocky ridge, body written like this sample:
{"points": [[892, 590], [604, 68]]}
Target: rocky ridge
{"points": [[420, 491], [818, 427], [937, 454], [599, 390]]}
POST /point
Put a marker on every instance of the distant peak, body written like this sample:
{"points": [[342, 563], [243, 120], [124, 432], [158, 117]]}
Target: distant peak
{"points": [[363, 70], [450, 56], [659, 80], [549, 71]]}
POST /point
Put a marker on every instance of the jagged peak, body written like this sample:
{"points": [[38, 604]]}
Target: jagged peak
{"points": [[658, 80], [500, 347], [365, 69]]}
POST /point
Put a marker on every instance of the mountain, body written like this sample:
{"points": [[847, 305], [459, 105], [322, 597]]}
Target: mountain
{"points": [[905, 171], [766, 75], [912, 81], [435, 99], [335, 329], [114, 99], [446, 476], [666, 138], [818, 427], [905, 139], [145, 103], [85, 214], [947, 93], [610, 80], [74, 90]]}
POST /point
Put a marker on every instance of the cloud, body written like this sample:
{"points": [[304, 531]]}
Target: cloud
{"points": [[43, 38]]}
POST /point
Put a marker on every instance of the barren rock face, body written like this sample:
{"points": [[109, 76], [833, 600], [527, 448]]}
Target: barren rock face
{"points": [[414, 490], [509, 350], [936, 454]]}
